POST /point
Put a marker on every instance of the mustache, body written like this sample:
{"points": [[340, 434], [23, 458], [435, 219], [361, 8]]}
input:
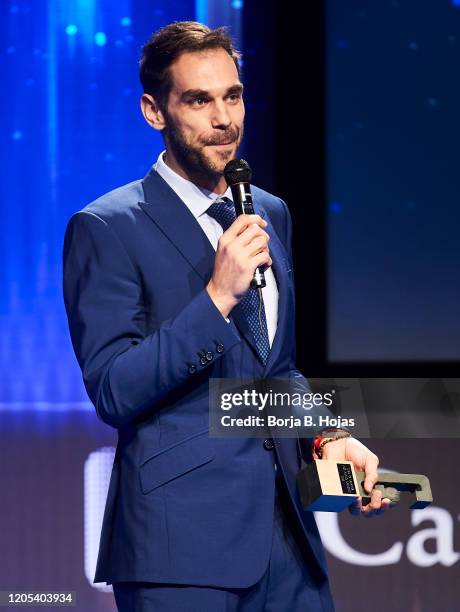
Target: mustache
{"points": [[223, 138]]}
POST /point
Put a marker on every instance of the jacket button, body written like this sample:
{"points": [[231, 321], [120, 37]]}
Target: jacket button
{"points": [[209, 356], [269, 444], [203, 360], [192, 368], [220, 348]]}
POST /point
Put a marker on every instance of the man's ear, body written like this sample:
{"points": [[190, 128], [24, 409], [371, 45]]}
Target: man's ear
{"points": [[152, 113]]}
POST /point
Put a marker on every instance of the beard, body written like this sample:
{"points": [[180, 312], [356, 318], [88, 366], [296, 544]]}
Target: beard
{"points": [[193, 158]]}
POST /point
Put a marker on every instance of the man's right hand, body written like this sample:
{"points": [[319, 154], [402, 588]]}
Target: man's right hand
{"points": [[240, 250]]}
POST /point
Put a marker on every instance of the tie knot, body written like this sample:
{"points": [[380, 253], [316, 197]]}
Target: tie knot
{"points": [[223, 211]]}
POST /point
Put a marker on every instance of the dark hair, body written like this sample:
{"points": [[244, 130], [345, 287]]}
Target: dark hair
{"points": [[165, 46]]}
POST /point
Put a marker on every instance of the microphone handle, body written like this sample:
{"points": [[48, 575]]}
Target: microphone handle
{"points": [[242, 199]]}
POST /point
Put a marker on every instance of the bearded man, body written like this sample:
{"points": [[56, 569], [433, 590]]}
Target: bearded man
{"points": [[157, 290]]}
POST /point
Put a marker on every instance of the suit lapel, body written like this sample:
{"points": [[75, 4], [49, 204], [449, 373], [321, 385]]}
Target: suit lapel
{"points": [[175, 220], [279, 267], [172, 216]]}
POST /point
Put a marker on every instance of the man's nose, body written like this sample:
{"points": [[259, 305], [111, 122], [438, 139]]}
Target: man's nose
{"points": [[220, 116]]}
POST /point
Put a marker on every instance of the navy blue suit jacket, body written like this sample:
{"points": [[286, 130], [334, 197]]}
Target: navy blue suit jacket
{"points": [[181, 507]]}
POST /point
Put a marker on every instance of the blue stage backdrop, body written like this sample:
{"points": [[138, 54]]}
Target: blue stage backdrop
{"points": [[392, 160], [72, 130]]}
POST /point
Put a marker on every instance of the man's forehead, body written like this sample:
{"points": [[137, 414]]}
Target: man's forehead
{"points": [[211, 70]]}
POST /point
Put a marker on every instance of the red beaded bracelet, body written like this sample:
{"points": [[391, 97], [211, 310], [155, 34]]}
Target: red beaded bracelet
{"points": [[323, 438]]}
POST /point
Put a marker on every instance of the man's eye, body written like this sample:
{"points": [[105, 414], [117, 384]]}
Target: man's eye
{"points": [[235, 97], [199, 102]]}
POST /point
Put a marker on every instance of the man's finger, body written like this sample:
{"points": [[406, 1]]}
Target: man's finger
{"points": [[383, 508], [389, 503], [386, 503], [374, 504], [370, 469], [242, 222]]}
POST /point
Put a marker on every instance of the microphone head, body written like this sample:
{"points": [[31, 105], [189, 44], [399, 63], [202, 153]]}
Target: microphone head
{"points": [[237, 171]]}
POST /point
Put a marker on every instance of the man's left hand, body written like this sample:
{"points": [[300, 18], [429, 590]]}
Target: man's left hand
{"points": [[350, 449]]}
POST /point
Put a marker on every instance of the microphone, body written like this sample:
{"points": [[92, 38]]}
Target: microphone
{"points": [[238, 175]]}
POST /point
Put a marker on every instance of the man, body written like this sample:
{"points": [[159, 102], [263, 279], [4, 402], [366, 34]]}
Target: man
{"points": [[156, 284]]}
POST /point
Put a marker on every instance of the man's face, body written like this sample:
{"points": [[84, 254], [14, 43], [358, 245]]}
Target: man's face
{"points": [[205, 112]]}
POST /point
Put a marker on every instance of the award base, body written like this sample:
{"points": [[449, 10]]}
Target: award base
{"points": [[332, 486], [327, 486]]}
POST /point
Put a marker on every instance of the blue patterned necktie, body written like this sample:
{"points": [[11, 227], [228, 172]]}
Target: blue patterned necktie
{"points": [[223, 211]]}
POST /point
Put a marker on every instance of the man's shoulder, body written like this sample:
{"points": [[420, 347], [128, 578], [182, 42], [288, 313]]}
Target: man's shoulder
{"points": [[122, 201], [273, 204]]}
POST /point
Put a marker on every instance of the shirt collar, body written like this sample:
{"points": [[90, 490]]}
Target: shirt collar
{"points": [[197, 199]]}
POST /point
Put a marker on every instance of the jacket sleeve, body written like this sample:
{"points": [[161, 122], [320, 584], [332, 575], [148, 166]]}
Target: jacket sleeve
{"points": [[126, 372]]}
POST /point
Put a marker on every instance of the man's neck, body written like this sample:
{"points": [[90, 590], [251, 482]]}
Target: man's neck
{"points": [[218, 186]]}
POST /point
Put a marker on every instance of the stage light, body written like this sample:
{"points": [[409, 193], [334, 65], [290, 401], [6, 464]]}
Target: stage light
{"points": [[71, 29], [126, 21], [100, 39]]}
